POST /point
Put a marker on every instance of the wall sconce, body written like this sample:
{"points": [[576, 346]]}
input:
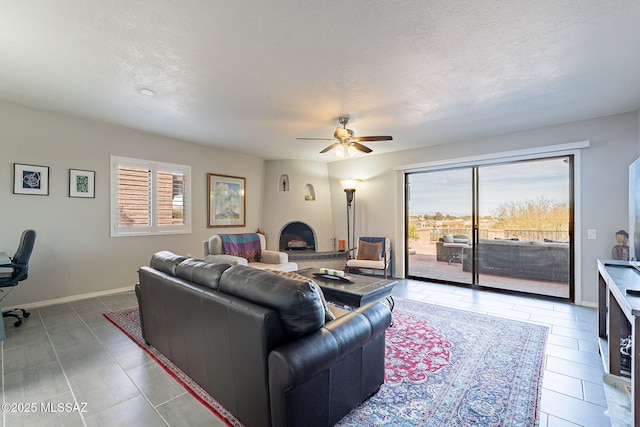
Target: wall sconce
{"points": [[349, 186]]}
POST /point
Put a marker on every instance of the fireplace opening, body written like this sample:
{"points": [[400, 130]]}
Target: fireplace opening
{"points": [[297, 236]]}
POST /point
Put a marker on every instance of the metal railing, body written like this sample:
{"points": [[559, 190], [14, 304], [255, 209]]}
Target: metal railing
{"points": [[536, 235]]}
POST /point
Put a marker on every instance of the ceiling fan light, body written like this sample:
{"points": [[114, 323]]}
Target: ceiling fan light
{"points": [[341, 133], [345, 143]]}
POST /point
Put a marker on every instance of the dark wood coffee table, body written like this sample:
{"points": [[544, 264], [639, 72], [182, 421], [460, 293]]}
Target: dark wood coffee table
{"points": [[362, 291]]}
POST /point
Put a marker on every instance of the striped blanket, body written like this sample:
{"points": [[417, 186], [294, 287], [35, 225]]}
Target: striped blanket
{"points": [[245, 245]]}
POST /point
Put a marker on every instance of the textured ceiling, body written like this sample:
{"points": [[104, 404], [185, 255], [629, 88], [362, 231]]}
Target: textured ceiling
{"points": [[252, 76]]}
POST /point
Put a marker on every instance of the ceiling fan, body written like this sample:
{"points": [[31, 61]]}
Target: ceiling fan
{"points": [[346, 143]]}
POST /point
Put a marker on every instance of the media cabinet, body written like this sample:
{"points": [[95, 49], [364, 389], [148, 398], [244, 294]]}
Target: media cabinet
{"points": [[618, 317]]}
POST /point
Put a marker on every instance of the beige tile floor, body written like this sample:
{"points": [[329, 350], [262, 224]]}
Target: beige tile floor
{"points": [[70, 354]]}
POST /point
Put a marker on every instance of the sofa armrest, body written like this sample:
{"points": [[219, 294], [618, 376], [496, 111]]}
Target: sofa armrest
{"points": [[295, 362], [273, 257], [299, 371], [226, 259], [387, 255]]}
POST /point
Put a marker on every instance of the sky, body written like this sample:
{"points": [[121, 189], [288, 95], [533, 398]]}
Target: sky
{"points": [[449, 192]]}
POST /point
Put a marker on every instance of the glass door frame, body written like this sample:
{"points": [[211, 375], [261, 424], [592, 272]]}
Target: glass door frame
{"points": [[571, 156]]}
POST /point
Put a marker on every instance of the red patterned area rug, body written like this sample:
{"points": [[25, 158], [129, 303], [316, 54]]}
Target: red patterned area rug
{"points": [[444, 367]]}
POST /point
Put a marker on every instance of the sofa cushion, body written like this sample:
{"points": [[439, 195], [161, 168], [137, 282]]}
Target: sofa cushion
{"points": [[201, 272], [328, 314], [299, 307], [448, 238], [166, 262]]}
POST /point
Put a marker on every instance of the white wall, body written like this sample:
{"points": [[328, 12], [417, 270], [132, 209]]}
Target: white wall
{"points": [[604, 174], [74, 253], [283, 207]]}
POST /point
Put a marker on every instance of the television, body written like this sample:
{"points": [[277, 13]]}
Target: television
{"points": [[634, 214]]}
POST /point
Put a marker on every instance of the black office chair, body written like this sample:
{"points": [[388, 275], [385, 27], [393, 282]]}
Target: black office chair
{"points": [[20, 266]]}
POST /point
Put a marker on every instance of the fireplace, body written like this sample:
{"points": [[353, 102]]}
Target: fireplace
{"points": [[299, 241], [297, 236]]}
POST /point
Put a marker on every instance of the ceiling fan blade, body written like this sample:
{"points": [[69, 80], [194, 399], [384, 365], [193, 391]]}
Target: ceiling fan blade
{"points": [[361, 147], [318, 139], [331, 147], [374, 138]]}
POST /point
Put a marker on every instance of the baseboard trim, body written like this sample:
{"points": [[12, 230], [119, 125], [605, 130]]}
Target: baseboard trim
{"points": [[588, 304], [73, 298]]}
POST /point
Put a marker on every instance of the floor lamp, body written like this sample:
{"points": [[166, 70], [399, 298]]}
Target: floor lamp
{"points": [[349, 186]]}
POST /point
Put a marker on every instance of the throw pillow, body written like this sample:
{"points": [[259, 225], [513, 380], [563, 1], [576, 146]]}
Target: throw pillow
{"points": [[369, 251], [448, 238], [328, 314]]}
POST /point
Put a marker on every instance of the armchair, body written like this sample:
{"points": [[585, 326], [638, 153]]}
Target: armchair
{"points": [[16, 272], [214, 252], [372, 253]]}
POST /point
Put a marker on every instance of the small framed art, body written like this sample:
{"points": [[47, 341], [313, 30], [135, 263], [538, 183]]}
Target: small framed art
{"points": [[226, 200], [82, 183], [30, 179]]}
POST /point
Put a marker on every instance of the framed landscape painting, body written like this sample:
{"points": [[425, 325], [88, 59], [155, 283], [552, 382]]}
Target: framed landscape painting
{"points": [[226, 200], [29, 179], [82, 183]]}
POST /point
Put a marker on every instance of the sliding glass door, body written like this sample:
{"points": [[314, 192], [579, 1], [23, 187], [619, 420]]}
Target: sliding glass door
{"points": [[504, 226], [439, 224]]}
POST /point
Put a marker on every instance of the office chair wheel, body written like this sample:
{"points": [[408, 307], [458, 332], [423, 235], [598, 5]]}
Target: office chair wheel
{"points": [[26, 314], [18, 323]]}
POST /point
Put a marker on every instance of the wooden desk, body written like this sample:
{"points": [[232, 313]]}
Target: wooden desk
{"points": [[619, 315], [5, 272], [5, 260]]}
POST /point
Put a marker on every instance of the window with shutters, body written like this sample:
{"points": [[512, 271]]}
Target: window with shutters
{"points": [[149, 197]]}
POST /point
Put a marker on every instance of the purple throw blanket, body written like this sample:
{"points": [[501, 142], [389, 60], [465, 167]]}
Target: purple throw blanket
{"points": [[243, 245]]}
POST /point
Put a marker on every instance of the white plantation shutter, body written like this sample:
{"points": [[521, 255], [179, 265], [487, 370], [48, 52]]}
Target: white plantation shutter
{"points": [[149, 197], [134, 197]]}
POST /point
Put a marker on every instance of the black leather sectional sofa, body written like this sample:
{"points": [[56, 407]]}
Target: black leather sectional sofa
{"points": [[258, 342]]}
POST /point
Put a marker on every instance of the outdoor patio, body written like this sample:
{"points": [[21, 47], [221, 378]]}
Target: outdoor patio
{"points": [[423, 264]]}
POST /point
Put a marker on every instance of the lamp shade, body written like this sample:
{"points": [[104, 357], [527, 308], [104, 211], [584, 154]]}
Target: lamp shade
{"points": [[350, 184]]}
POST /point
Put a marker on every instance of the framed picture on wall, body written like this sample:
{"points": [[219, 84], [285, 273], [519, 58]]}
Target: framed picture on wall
{"points": [[82, 183], [226, 201], [30, 179]]}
